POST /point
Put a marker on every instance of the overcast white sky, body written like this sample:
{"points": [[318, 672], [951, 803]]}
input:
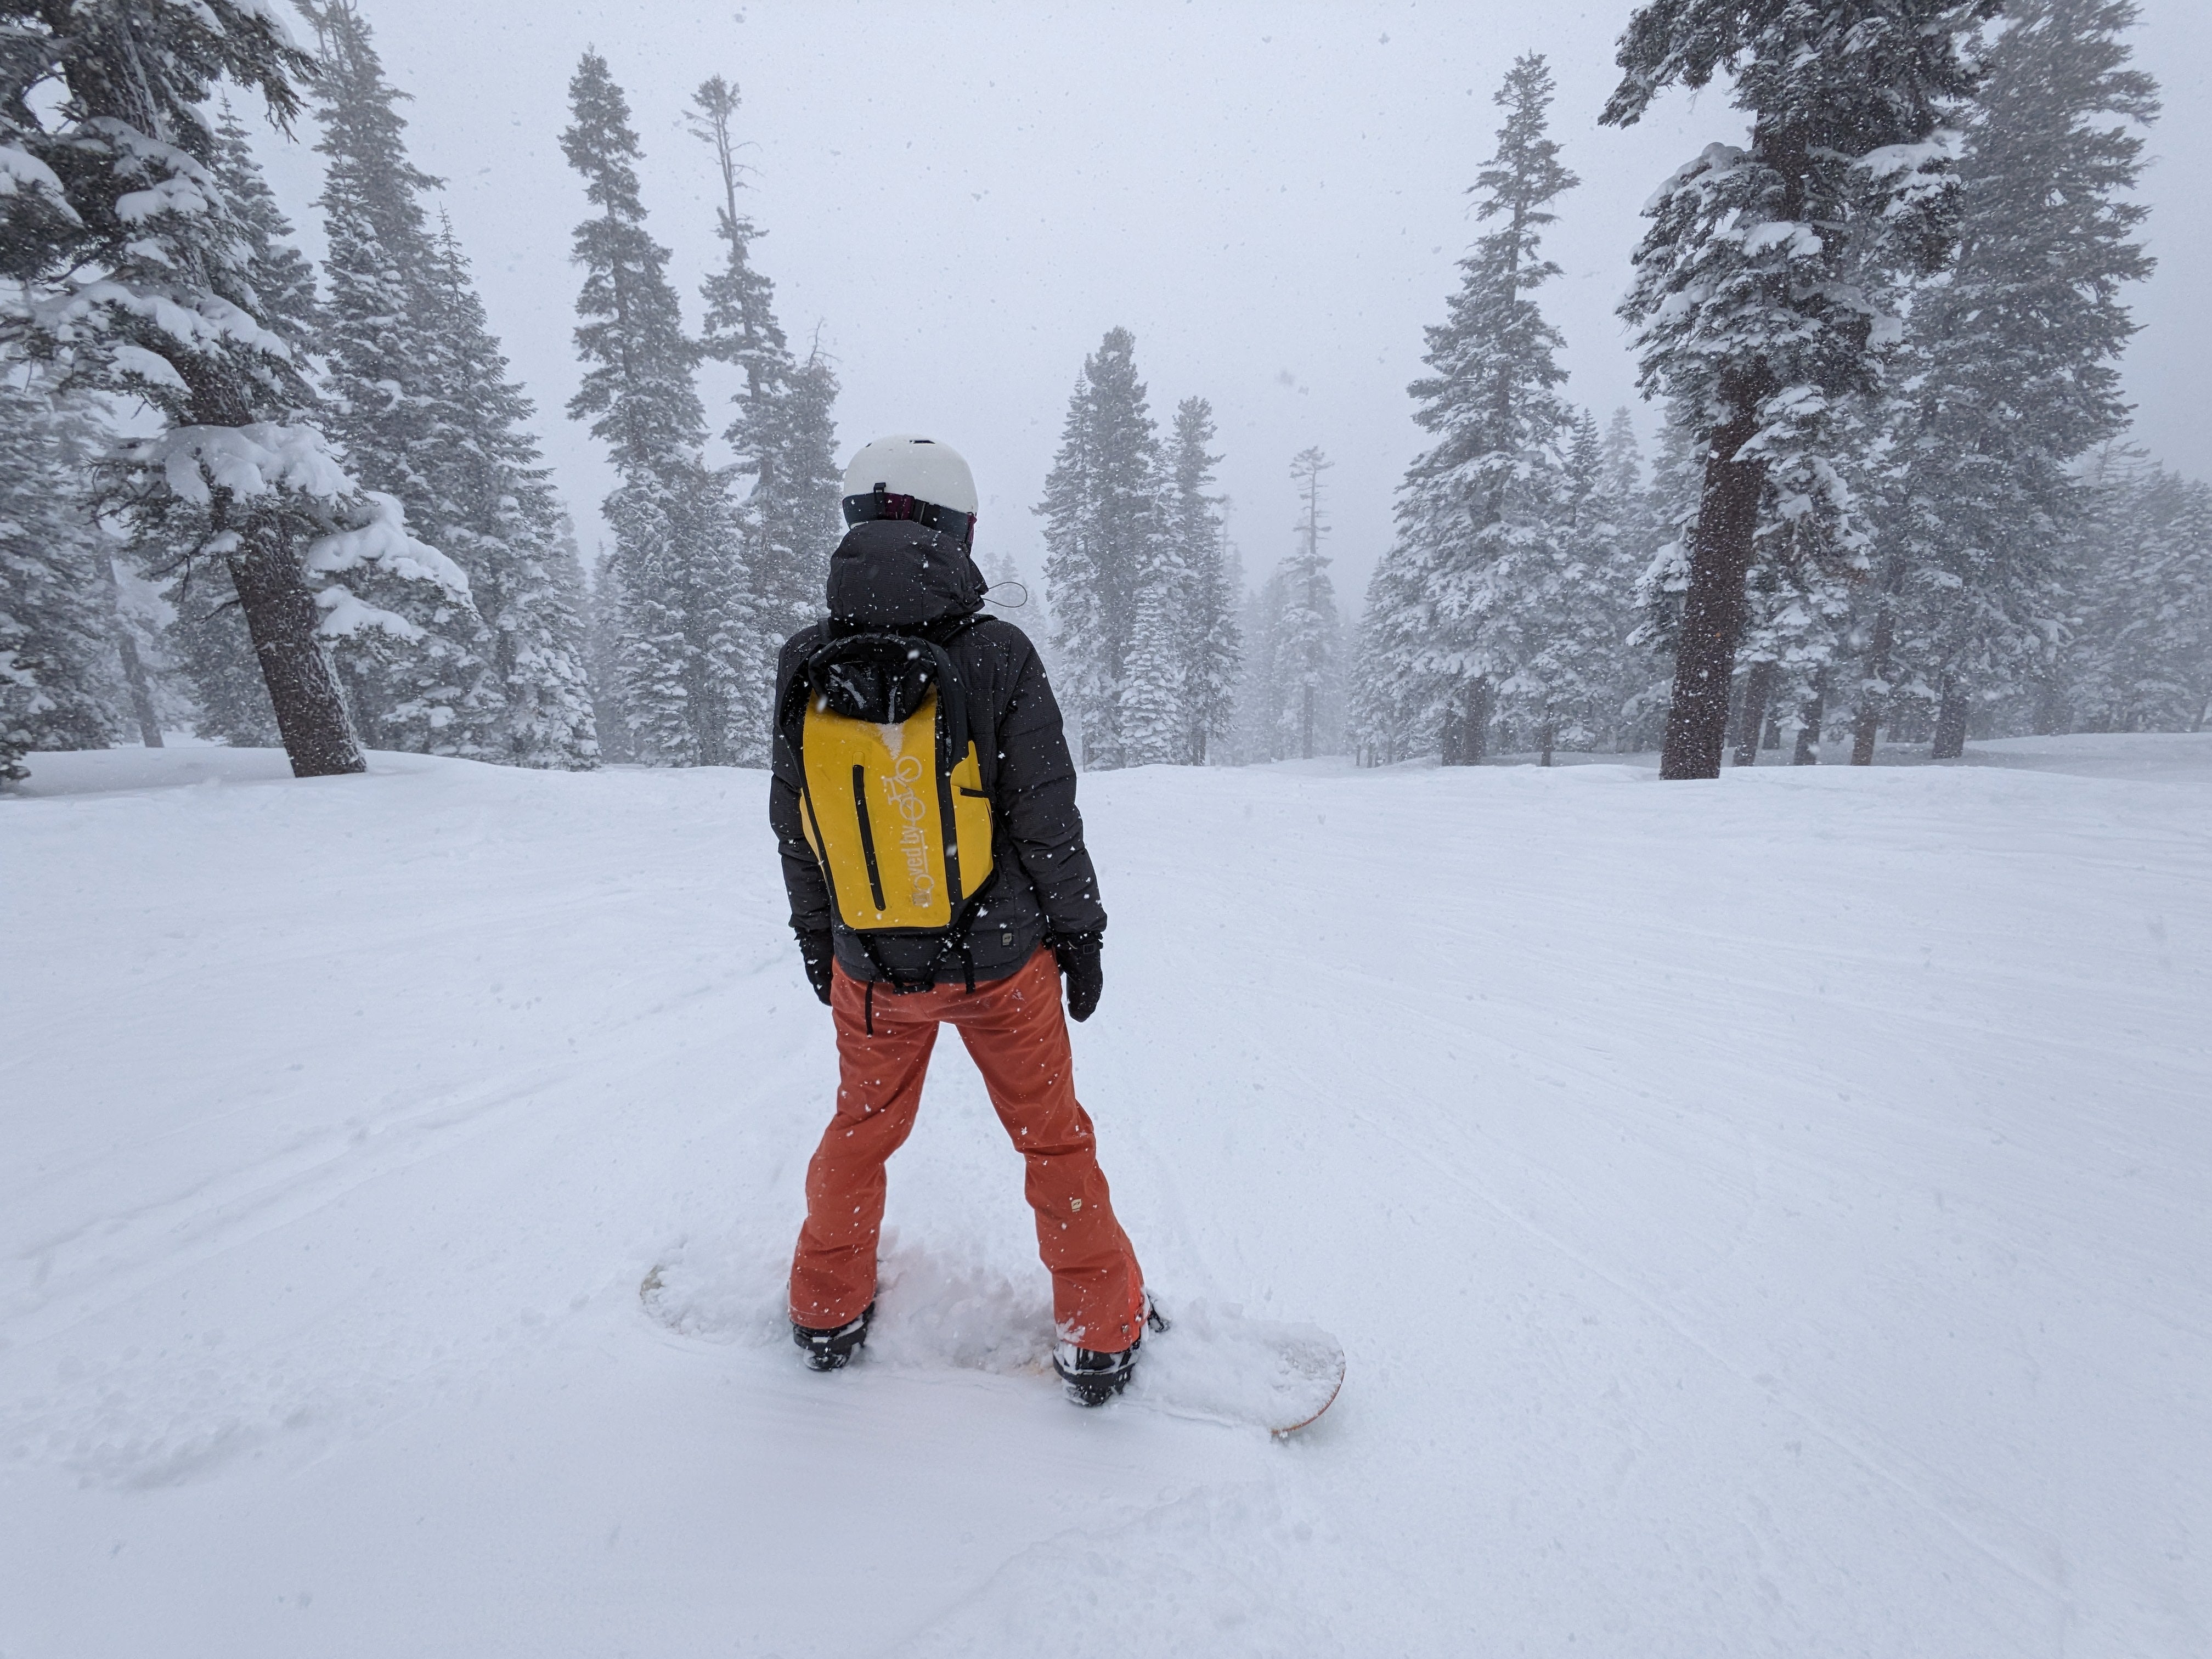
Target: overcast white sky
{"points": [[964, 197]]}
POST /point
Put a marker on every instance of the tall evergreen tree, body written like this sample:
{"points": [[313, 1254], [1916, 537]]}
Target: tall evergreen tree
{"points": [[1263, 731], [1573, 682], [390, 331], [1480, 513], [691, 686], [2013, 358], [1212, 647], [56, 691], [1309, 648], [782, 431], [1103, 537], [1153, 727], [1760, 287], [131, 262], [812, 481], [207, 633], [602, 622], [2139, 659], [496, 513]]}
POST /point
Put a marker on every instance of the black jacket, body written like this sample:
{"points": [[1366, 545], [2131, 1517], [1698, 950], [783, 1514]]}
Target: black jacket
{"points": [[897, 576]]}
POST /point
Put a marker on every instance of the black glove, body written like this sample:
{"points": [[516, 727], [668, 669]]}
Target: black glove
{"points": [[1078, 956], [814, 951]]}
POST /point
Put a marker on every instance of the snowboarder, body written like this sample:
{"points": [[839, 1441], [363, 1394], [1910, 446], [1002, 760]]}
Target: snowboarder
{"points": [[924, 804]]}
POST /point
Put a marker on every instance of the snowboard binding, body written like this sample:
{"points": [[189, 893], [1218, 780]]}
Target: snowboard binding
{"points": [[1092, 1378], [832, 1350]]}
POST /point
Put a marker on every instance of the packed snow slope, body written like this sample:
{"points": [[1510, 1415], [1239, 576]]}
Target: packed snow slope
{"points": [[1767, 1216]]}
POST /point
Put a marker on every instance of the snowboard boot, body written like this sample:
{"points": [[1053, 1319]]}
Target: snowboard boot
{"points": [[1092, 1378], [831, 1349]]}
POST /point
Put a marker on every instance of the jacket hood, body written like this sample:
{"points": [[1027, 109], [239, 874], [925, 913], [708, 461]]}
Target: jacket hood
{"points": [[892, 573]]}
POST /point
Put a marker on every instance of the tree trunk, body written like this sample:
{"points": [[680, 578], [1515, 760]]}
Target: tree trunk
{"points": [[1474, 738], [281, 616], [1757, 692], [1545, 734], [134, 672], [1305, 726], [281, 613], [1713, 610], [1949, 742], [1809, 735], [2051, 714], [1874, 689]]}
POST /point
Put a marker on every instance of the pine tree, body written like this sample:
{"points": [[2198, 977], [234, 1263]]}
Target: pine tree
{"points": [[1395, 710], [132, 265], [1212, 646], [282, 277], [1263, 732], [1480, 513], [1309, 649], [208, 636], [813, 485], [56, 691], [496, 513], [603, 615], [1153, 726], [133, 633], [2141, 659], [1570, 684], [690, 682], [1618, 533], [391, 331], [1761, 286], [215, 655], [2013, 359], [781, 432], [1102, 536]]}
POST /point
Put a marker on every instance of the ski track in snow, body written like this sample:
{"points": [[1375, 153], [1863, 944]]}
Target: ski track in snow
{"points": [[1767, 1216]]}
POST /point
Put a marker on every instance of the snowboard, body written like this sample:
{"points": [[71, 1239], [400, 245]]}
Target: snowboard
{"points": [[1211, 1364], [1216, 1365]]}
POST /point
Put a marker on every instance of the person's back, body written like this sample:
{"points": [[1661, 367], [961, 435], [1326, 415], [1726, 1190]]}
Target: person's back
{"points": [[906, 649]]}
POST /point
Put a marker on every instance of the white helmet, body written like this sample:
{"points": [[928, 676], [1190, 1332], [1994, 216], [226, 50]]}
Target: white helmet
{"points": [[903, 477]]}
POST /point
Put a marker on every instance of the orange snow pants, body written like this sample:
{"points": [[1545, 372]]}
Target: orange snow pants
{"points": [[1017, 1037]]}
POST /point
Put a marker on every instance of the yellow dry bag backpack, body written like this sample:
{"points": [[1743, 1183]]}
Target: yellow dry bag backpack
{"points": [[891, 795]]}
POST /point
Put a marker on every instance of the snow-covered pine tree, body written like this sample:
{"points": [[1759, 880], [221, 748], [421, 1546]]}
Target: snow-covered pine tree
{"points": [[56, 689], [782, 429], [1309, 647], [1212, 646], [133, 634], [1760, 287], [1261, 699], [2013, 357], [1480, 513], [691, 686], [132, 266], [207, 635], [1102, 511], [2141, 660], [812, 483], [1668, 524], [603, 615], [496, 513], [391, 366], [1622, 531], [1393, 709], [1153, 724], [1578, 621]]}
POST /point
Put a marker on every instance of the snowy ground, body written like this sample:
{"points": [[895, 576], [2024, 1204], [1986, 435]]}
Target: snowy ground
{"points": [[1764, 1218]]}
